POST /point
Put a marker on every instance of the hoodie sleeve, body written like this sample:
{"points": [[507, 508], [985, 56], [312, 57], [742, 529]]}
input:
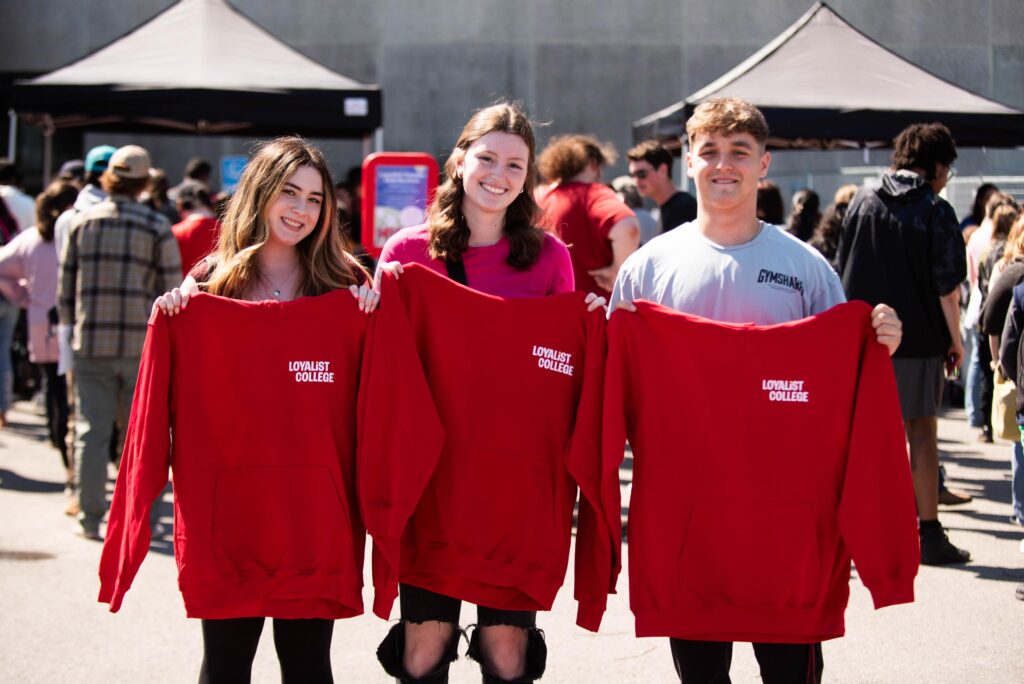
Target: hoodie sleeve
{"points": [[144, 466], [877, 515], [395, 458], [598, 528]]}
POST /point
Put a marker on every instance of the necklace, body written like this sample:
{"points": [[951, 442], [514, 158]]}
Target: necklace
{"points": [[270, 287]]}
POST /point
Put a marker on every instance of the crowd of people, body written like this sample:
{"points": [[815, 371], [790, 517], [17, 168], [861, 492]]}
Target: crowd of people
{"points": [[538, 245]]}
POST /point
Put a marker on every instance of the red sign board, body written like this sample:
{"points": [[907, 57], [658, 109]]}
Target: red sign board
{"points": [[397, 189]]}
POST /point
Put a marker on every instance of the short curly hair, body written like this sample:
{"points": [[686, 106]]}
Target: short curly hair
{"points": [[923, 146], [567, 155]]}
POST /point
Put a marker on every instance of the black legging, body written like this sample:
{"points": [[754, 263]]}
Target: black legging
{"points": [[55, 390], [303, 649], [708, 662], [987, 379]]}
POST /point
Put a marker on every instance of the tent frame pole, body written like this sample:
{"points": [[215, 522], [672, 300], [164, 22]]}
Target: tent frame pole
{"points": [[48, 130], [684, 178], [12, 135]]}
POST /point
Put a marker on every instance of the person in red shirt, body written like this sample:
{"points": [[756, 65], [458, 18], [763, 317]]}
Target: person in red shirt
{"points": [[600, 230], [197, 231], [280, 240], [481, 231]]}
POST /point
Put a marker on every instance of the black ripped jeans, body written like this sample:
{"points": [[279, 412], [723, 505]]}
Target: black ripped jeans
{"points": [[420, 605]]}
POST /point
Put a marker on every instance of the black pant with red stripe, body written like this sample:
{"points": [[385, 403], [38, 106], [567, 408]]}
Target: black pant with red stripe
{"points": [[708, 662]]}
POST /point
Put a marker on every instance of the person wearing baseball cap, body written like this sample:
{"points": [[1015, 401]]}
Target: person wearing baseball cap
{"points": [[90, 195], [120, 255]]}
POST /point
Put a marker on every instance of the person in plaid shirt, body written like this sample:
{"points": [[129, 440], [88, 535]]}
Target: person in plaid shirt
{"points": [[119, 256]]}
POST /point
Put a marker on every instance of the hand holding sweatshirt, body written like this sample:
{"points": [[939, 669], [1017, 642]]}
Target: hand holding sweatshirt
{"points": [[252, 405], [483, 509], [764, 459]]}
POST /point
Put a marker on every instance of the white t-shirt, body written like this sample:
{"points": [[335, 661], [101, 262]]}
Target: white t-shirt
{"points": [[21, 206], [774, 278]]}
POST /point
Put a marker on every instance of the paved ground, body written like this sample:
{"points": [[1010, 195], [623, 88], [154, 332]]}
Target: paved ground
{"points": [[966, 625]]}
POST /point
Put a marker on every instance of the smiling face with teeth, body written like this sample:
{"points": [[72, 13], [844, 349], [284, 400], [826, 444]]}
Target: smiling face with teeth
{"points": [[493, 170], [294, 213], [725, 168]]}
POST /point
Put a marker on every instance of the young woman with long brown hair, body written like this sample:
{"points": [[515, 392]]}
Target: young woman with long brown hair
{"points": [[279, 241], [481, 231]]}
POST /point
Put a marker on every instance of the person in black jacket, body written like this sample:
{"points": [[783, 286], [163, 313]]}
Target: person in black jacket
{"points": [[901, 244]]}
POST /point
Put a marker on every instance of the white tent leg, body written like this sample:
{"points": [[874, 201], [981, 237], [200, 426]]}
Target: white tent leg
{"points": [[684, 178], [12, 135]]}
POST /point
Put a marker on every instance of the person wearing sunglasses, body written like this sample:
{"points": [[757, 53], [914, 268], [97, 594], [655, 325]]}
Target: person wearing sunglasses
{"points": [[650, 165]]}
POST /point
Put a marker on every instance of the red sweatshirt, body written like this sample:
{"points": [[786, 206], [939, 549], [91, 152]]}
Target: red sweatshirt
{"points": [[764, 459], [253, 406], [483, 509]]}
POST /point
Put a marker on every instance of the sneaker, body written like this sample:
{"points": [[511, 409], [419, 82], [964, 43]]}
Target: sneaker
{"points": [[985, 436], [936, 549], [89, 530], [952, 497], [1019, 593], [1014, 520]]}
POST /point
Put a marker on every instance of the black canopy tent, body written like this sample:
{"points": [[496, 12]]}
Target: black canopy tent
{"points": [[200, 67], [822, 84]]}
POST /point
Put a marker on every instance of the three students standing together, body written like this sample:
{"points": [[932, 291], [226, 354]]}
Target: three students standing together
{"points": [[280, 242]]}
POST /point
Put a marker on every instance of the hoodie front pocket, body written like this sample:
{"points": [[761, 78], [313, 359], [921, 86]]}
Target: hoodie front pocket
{"points": [[750, 553], [491, 503], [285, 519]]}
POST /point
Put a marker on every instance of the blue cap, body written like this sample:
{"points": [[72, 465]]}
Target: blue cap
{"points": [[98, 158]]}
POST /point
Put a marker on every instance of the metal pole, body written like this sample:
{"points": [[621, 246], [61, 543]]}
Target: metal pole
{"points": [[684, 178], [378, 140], [48, 129], [12, 135]]}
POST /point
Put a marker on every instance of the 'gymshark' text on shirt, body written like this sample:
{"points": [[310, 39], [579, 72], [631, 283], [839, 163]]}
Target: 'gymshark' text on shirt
{"points": [[311, 371]]}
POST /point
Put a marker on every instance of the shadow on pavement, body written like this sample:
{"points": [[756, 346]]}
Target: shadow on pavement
{"points": [[971, 459], [986, 517], [990, 572], [997, 490], [17, 483], [32, 431], [1009, 533]]}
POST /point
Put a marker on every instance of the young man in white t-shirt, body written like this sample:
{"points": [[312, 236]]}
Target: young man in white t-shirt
{"points": [[729, 266]]}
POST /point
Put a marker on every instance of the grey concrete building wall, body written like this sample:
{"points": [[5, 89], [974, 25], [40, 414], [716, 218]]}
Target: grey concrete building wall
{"points": [[578, 65]]}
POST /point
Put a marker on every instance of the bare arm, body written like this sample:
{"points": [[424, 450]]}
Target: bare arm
{"points": [[625, 239], [951, 312]]}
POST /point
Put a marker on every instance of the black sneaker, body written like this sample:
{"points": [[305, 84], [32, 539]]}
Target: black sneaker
{"points": [[936, 549], [1019, 593]]}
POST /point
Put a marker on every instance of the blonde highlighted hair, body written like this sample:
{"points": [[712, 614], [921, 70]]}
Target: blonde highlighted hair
{"points": [[1015, 242], [727, 116], [324, 263]]}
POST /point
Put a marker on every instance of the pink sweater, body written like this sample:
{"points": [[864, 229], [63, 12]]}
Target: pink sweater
{"points": [[28, 276], [487, 270]]}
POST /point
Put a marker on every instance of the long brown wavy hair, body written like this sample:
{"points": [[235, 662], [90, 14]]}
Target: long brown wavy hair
{"points": [[325, 264], [447, 227]]}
